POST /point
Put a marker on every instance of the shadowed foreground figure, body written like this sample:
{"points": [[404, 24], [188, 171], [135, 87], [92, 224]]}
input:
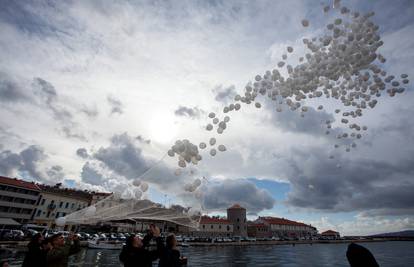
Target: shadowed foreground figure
{"points": [[171, 255], [135, 252], [359, 256], [58, 256]]}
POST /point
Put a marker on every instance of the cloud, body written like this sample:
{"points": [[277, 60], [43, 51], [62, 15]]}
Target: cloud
{"points": [[115, 104], [361, 184], [11, 91], [362, 225], [224, 94], [223, 194], [82, 152], [25, 162], [193, 113], [313, 122], [90, 175]]}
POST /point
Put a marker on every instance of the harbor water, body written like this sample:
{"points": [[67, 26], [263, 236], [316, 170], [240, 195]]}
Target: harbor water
{"points": [[390, 253]]}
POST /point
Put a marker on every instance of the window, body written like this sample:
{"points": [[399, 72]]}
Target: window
{"points": [[238, 227], [48, 214], [60, 204], [52, 202], [73, 206], [219, 226], [204, 227], [228, 228], [211, 226], [238, 220], [57, 215], [67, 205], [43, 202], [38, 213]]}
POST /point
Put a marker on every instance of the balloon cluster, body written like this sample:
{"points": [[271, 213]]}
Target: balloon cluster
{"points": [[343, 65]]}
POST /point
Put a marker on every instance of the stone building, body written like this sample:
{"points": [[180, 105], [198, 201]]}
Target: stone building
{"points": [[18, 199], [214, 227], [281, 227], [330, 234], [237, 216], [55, 202]]}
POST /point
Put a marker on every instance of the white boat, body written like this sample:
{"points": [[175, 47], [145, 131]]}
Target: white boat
{"points": [[104, 244]]}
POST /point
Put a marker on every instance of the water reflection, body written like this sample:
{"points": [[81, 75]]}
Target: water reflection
{"points": [[386, 253]]}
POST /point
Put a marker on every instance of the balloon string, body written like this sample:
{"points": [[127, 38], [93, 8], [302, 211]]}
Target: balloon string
{"points": [[150, 168]]}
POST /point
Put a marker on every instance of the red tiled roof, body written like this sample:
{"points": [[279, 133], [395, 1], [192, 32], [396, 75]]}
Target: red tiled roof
{"points": [[329, 232], [281, 221], [19, 183], [211, 220], [236, 206]]}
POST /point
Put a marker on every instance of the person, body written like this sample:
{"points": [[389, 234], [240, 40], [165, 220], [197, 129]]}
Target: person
{"points": [[171, 255], [359, 256], [135, 252], [36, 255], [58, 255]]}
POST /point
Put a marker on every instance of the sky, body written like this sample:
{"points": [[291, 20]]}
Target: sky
{"points": [[94, 93]]}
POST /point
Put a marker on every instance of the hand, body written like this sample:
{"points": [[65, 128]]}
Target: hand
{"points": [[155, 231]]}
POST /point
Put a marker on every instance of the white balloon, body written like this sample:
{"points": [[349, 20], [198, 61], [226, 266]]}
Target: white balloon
{"points": [[136, 182], [197, 182], [202, 145], [144, 187], [61, 221], [211, 115], [138, 194], [221, 148], [305, 23], [226, 119], [181, 163], [170, 153], [212, 141], [215, 120], [213, 152], [209, 127], [220, 130]]}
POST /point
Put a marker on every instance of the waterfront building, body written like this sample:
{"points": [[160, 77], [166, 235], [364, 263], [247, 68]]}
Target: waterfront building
{"points": [[18, 199], [98, 196], [258, 230], [237, 216], [281, 227], [330, 234], [214, 227], [55, 202]]}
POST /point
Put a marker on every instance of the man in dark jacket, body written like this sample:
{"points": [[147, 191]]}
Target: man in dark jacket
{"points": [[135, 253], [359, 256], [36, 254], [58, 256]]}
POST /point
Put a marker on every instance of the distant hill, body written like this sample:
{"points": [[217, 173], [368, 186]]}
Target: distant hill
{"points": [[406, 233]]}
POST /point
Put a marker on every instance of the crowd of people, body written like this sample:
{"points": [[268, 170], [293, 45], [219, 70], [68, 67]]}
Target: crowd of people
{"points": [[55, 251]]}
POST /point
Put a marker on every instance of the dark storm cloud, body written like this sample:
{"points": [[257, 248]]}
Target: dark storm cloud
{"points": [[313, 122], [11, 91], [82, 152], [91, 175], [358, 185], [225, 193], [224, 94], [123, 156], [115, 104], [25, 161], [192, 113]]}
